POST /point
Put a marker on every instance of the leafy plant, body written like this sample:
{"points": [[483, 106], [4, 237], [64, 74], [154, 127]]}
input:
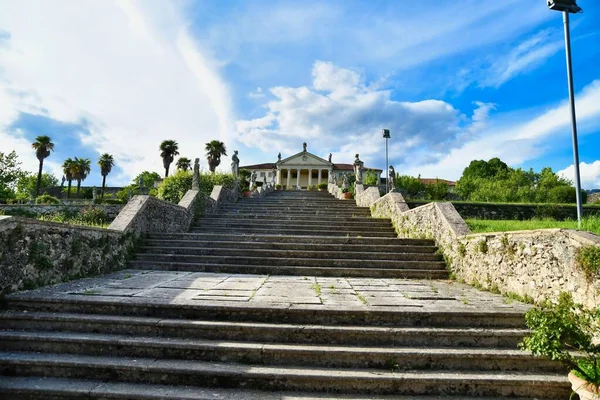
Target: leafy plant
{"points": [[46, 199], [588, 259], [322, 186], [345, 190], [559, 330]]}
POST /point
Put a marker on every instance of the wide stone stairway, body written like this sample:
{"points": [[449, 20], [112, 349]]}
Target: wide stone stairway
{"points": [[296, 295]]}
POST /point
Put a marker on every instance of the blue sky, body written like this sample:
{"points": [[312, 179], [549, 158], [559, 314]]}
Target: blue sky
{"points": [[454, 81]]}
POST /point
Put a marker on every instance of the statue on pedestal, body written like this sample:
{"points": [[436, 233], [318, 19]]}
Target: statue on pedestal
{"points": [[235, 164], [196, 176], [273, 176], [279, 157], [391, 184], [345, 184], [253, 180], [358, 166], [94, 194], [304, 146], [329, 159]]}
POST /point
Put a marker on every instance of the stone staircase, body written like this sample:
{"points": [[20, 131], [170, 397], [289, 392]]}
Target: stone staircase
{"points": [[56, 343]]}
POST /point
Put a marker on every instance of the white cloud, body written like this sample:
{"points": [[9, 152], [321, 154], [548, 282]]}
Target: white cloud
{"points": [[130, 69], [589, 174], [518, 141], [341, 114]]}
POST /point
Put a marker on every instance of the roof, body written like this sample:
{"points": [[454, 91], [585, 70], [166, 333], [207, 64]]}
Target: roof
{"points": [[350, 167], [430, 181], [259, 166], [340, 167]]}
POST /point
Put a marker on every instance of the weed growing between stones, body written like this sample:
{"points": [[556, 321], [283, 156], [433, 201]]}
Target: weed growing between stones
{"points": [[507, 246], [482, 246], [38, 256], [362, 298], [588, 259], [461, 249], [317, 288], [512, 296]]}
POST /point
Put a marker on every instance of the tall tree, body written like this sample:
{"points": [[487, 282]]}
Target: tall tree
{"points": [[10, 173], [214, 151], [80, 170], [67, 168], [168, 151], [43, 146], [106, 162], [184, 163]]}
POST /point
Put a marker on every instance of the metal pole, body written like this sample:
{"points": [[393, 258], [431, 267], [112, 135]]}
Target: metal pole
{"points": [[387, 173], [573, 117]]}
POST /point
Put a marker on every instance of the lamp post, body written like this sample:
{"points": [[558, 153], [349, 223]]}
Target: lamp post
{"points": [[386, 135], [569, 6]]}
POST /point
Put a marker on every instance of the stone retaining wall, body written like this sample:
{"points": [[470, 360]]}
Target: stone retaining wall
{"points": [[111, 210], [366, 197], [538, 264], [36, 253]]}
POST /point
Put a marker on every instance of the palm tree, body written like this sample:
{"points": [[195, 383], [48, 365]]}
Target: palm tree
{"points": [[168, 151], [106, 162], [184, 163], [80, 170], [214, 151], [67, 170], [43, 146]]}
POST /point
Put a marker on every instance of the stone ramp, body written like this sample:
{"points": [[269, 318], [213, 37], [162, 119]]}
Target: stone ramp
{"points": [[291, 296]]}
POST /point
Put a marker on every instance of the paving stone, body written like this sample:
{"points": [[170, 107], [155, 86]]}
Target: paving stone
{"points": [[168, 293]]}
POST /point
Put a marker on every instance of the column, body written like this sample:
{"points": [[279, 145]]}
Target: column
{"points": [[278, 182], [289, 173], [309, 177], [319, 181], [297, 179]]}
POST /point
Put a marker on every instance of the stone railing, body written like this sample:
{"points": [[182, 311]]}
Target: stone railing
{"points": [[536, 264], [366, 197], [37, 253], [149, 214]]}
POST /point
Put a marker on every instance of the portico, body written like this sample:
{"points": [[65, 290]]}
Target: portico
{"points": [[301, 177]]}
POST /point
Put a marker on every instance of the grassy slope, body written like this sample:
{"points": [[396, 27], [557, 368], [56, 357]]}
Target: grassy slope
{"points": [[591, 224]]}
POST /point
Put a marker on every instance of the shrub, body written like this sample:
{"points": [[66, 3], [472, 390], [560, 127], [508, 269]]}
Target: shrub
{"points": [[371, 178], [46, 199], [345, 190], [322, 186], [174, 187], [588, 259], [311, 188], [93, 216], [278, 186]]}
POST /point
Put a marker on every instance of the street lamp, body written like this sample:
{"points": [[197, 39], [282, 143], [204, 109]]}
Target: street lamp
{"points": [[386, 135], [569, 6]]}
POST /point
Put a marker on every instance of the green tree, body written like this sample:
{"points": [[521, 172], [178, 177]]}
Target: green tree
{"points": [[371, 178], [67, 168], [28, 184], [81, 168], [409, 185], [168, 151], [43, 146], [214, 151], [184, 163], [106, 162], [10, 172], [437, 191]]}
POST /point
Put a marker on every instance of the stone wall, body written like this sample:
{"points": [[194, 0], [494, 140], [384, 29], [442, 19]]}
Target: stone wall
{"points": [[36, 253], [593, 198], [366, 197], [111, 210], [538, 264], [514, 211]]}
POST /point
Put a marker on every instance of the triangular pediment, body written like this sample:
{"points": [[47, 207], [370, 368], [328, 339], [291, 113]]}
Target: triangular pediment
{"points": [[305, 158]]}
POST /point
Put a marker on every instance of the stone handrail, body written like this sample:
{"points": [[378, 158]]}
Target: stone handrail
{"points": [[366, 197], [535, 264]]}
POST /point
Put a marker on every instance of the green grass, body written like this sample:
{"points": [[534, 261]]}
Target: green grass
{"points": [[591, 224]]}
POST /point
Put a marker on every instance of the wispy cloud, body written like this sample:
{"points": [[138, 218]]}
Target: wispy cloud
{"points": [[589, 174], [130, 69]]}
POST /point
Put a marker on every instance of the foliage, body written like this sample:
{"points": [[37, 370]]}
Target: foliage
{"points": [[558, 330], [371, 178], [168, 151], [321, 186], [436, 191], [10, 173], [43, 146], [214, 151], [184, 163], [278, 186], [91, 216], [311, 188], [46, 199], [174, 187], [80, 169], [494, 181], [26, 185], [345, 190], [147, 179], [591, 224], [410, 186], [588, 259]]}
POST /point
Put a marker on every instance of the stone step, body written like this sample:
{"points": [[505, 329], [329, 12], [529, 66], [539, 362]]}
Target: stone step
{"points": [[302, 232], [296, 207], [372, 241], [266, 332], [409, 261], [293, 204], [35, 388], [255, 217], [265, 353], [327, 247], [404, 273], [298, 212], [364, 256], [300, 314], [257, 377], [242, 224]]}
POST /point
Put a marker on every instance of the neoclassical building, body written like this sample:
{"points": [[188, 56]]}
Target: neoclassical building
{"points": [[303, 169]]}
